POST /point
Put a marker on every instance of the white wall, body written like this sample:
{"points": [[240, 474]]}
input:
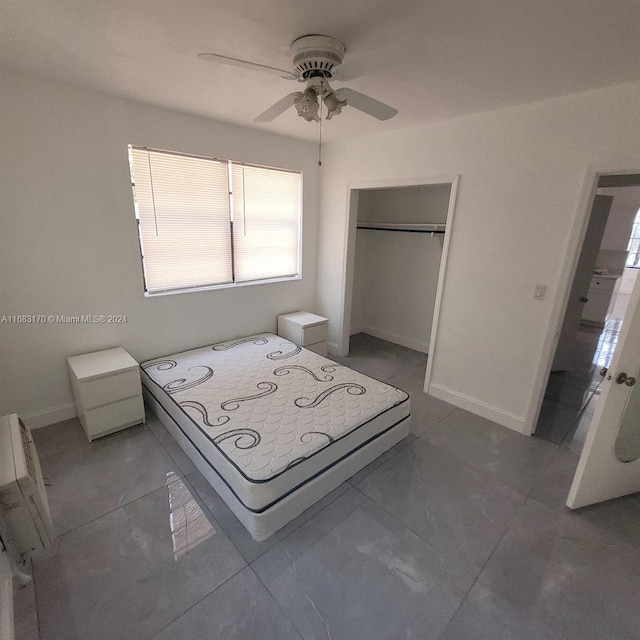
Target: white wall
{"points": [[361, 262], [424, 203], [628, 282], [396, 286], [519, 202], [69, 244], [626, 201], [396, 274], [613, 250]]}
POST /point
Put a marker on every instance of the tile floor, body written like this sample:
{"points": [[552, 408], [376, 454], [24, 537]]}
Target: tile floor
{"points": [[571, 396], [459, 532]]}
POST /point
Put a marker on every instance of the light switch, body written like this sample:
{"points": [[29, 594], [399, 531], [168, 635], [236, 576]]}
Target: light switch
{"points": [[539, 292]]}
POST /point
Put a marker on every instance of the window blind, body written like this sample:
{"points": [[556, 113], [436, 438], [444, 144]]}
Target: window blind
{"points": [[266, 213], [182, 206], [205, 222]]}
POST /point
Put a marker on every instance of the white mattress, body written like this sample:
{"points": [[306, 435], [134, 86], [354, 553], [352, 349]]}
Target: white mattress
{"points": [[269, 416]]}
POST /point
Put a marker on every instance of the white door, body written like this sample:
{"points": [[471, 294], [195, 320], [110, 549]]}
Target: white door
{"points": [[610, 463]]}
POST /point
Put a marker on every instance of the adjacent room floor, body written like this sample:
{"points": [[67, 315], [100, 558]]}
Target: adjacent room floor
{"points": [[571, 396], [460, 532]]}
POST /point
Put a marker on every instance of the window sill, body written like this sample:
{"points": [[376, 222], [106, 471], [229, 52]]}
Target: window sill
{"points": [[231, 285]]}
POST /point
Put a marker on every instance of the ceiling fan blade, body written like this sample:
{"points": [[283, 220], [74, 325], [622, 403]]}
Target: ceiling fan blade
{"points": [[364, 103], [388, 56], [277, 109], [246, 64]]}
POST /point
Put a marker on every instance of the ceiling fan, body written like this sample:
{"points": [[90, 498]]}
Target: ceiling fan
{"points": [[317, 59]]}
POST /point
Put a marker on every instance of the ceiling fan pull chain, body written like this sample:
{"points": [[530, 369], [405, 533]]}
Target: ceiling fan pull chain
{"points": [[320, 139]]}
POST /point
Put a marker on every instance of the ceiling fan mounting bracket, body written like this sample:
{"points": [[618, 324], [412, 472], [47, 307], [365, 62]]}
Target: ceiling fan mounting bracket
{"points": [[316, 56]]}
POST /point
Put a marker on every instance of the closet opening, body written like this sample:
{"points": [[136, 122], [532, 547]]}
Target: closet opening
{"points": [[397, 245]]}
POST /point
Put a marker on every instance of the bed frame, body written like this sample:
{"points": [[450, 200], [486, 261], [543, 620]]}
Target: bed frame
{"points": [[264, 524]]}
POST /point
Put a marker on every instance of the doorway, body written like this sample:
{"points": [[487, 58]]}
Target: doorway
{"points": [[605, 275], [397, 246]]}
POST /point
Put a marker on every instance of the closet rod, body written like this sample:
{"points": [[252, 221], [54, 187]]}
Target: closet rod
{"points": [[401, 230]]}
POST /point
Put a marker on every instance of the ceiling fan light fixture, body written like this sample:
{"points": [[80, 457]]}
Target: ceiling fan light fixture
{"points": [[333, 104], [306, 104]]}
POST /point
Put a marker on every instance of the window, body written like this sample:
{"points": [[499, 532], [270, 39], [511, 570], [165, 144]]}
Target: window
{"points": [[204, 222], [633, 255]]}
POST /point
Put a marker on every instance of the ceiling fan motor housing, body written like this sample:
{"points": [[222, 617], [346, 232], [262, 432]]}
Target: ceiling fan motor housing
{"points": [[316, 55]]}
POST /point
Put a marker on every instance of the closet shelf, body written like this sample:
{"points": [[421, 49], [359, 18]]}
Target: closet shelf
{"points": [[397, 226]]}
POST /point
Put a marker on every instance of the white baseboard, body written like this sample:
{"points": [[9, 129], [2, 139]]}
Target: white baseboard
{"points": [[505, 418], [39, 419], [332, 347], [416, 345]]}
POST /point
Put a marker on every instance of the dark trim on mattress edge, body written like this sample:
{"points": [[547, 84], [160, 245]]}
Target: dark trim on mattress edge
{"points": [[284, 495], [273, 477]]}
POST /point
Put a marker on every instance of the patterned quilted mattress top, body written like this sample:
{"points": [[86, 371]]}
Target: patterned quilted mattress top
{"points": [[268, 404]]}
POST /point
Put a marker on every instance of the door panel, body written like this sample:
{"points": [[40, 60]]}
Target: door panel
{"points": [[601, 474], [628, 441]]}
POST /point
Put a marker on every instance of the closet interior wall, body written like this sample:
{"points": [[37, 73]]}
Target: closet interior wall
{"points": [[396, 272]]}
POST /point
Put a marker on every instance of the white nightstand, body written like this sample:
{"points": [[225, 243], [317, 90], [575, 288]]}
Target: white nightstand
{"points": [[107, 390], [305, 329]]}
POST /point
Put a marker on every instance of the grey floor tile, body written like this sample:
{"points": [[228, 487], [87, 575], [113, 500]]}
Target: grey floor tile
{"points": [[59, 437], [575, 391], [241, 609], [459, 510], [181, 459], [410, 381], [620, 518], [552, 487], [384, 357], [570, 391], [25, 614], [129, 573], [426, 410], [345, 569], [555, 421], [88, 482], [363, 343], [389, 453], [249, 548], [363, 365], [575, 569], [354, 572], [486, 616], [509, 457], [577, 436]]}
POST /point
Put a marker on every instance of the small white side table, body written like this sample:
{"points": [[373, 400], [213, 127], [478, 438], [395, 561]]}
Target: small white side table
{"points": [[305, 329], [107, 390]]}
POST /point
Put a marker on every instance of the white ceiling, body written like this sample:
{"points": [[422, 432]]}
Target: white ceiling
{"points": [[468, 55]]}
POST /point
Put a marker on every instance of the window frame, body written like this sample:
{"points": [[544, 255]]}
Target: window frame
{"points": [[229, 164]]}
